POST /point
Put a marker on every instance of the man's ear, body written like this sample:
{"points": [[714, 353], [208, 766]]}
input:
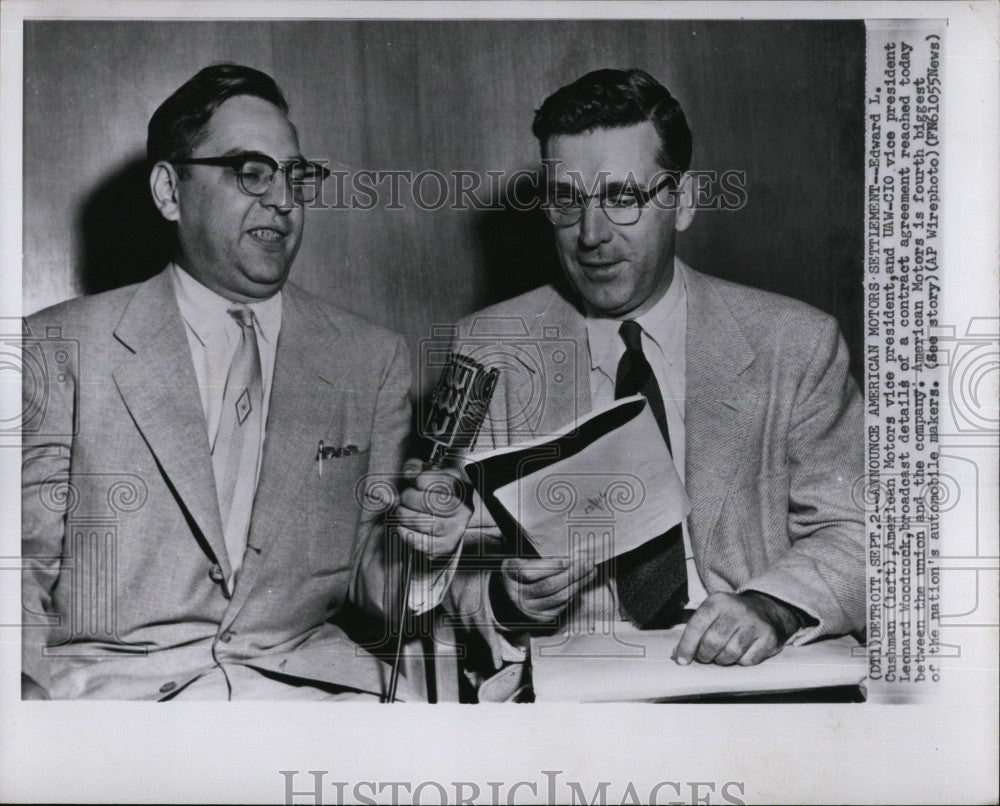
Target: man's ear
{"points": [[163, 182], [685, 202]]}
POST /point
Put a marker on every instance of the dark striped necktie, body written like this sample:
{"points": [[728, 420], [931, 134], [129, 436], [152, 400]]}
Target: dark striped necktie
{"points": [[651, 579]]}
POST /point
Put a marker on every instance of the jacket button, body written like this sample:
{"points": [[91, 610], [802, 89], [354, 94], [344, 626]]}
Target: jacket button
{"points": [[215, 573], [226, 637], [168, 687]]}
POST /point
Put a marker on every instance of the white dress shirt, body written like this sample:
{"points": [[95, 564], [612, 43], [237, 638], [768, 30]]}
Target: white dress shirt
{"points": [[213, 336], [664, 333]]}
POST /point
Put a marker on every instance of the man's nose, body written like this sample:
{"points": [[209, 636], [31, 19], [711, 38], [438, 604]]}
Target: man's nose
{"points": [[279, 195], [595, 228]]}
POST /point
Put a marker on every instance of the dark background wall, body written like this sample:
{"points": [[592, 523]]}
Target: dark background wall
{"points": [[782, 101]]}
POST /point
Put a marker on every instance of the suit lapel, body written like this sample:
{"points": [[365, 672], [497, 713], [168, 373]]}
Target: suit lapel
{"points": [[719, 407], [309, 377], [160, 389]]}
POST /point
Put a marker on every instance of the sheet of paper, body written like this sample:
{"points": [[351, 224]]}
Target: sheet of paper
{"points": [[618, 663], [611, 497]]}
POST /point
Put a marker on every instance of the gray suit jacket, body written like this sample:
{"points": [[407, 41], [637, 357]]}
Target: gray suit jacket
{"points": [[773, 425], [124, 553]]}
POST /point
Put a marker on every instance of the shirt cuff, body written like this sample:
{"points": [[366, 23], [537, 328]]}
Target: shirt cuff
{"points": [[427, 587], [508, 646], [807, 625]]}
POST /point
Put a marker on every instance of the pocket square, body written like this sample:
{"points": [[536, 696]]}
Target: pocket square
{"points": [[324, 452], [328, 453]]}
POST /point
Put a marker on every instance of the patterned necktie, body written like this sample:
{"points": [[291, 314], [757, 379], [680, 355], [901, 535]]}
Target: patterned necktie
{"points": [[651, 579], [237, 442]]}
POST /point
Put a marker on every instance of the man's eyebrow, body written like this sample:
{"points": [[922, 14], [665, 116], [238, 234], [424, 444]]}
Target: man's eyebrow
{"points": [[243, 152], [612, 187], [618, 187]]}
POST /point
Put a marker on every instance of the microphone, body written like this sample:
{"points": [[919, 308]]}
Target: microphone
{"points": [[459, 405]]}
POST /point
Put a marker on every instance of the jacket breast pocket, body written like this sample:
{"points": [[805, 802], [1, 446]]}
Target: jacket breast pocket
{"points": [[333, 500]]}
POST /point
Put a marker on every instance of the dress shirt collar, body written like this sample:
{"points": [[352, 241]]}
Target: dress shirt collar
{"points": [[664, 323], [207, 313]]}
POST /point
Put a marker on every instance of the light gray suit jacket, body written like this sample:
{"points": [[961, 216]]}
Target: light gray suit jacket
{"points": [[773, 424], [124, 553]]}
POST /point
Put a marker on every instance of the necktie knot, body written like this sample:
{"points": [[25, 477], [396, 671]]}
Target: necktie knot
{"points": [[243, 316], [631, 333]]}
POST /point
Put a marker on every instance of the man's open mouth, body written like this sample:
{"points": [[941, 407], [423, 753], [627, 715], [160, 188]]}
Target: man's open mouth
{"points": [[267, 235], [599, 265]]}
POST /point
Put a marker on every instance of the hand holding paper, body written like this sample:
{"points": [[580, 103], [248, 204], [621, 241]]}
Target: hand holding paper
{"points": [[539, 590]]}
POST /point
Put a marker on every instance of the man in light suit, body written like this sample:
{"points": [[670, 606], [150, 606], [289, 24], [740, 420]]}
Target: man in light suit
{"points": [[754, 396], [201, 506]]}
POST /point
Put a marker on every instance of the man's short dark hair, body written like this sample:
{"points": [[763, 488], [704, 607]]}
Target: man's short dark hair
{"points": [[180, 122], [612, 99]]}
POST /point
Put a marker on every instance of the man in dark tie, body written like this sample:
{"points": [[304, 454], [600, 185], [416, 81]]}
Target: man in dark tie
{"points": [[205, 492], [750, 390]]}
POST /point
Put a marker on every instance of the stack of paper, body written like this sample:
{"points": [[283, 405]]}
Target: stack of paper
{"points": [[620, 663]]}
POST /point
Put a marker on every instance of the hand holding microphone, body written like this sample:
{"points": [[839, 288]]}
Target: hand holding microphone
{"points": [[433, 509], [436, 505]]}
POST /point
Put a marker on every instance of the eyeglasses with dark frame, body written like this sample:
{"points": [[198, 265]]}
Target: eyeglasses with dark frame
{"points": [[623, 206], [255, 173]]}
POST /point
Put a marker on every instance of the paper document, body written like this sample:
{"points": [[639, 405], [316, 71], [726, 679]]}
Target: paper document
{"points": [[606, 482], [634, 665]]}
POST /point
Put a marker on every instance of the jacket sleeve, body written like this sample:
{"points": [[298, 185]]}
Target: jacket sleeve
{"points": [[47, 494], [823, 571]]}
